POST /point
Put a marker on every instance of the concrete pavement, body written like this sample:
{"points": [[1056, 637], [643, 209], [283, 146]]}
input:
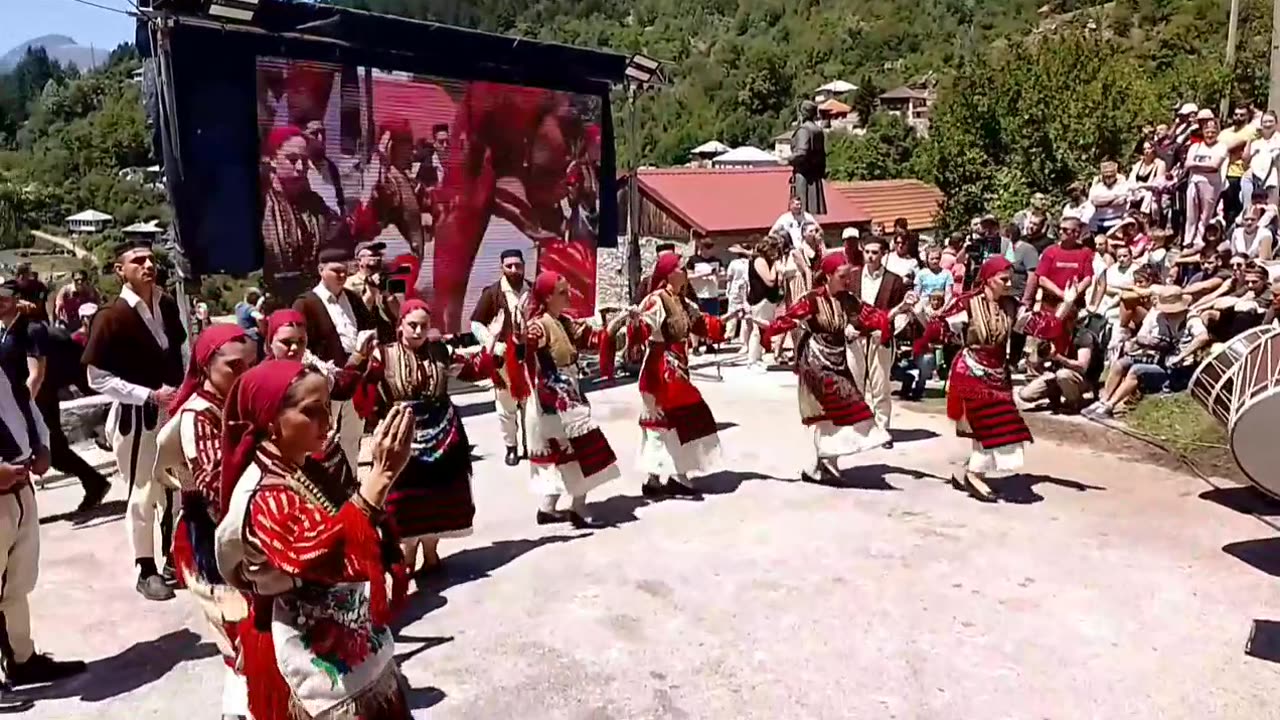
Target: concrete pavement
{"points": [[1105, 593]]}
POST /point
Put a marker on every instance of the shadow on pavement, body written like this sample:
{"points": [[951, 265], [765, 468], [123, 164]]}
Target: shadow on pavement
{"points": [[1020, 489], [425, 599], [1244, 499], [722, 426], [1264, 641], [617, 510], [1262, 554], [911, 435], [474, 409], [137, 666], [471, 564], [109, 511], [429, 642], [872, 477], [726, 481], [423, 698]]}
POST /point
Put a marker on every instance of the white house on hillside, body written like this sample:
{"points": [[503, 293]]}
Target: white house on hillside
{"points": [[88, 222]]}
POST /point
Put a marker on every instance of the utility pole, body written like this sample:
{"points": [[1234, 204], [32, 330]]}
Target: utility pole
{"points": [[1273, 93], [633, 192], [1233, 37]]}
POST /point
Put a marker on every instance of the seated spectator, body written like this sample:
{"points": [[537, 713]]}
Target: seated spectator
{"points": [[1077, 205], [1250, 239], [1241, 309], [1134, 305], [933, 277], [915, 372], [1157, 257], [1206, 276], [1228, 291], [1064, 379], [1160, 357]]}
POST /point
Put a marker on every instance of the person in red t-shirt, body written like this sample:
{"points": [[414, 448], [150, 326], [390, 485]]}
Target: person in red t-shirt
{"points": [[1060, 265]]}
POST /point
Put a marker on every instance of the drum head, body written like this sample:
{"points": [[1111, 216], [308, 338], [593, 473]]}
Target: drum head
{"points": [[1253, 441]]}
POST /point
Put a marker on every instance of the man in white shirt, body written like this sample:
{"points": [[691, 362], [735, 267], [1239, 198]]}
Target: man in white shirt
{"points": [[503, 303], [24, 450], [793, 222], [869, 358], [134, 357], [1109, 197]]}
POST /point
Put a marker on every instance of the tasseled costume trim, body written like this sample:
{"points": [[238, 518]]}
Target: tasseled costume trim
{"points": [[193, 541]]}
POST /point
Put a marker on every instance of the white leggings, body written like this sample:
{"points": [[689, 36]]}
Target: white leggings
{"points": [[1202, 205]]}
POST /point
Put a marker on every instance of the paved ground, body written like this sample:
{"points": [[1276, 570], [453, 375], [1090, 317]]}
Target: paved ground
{"points": [[1114, 590]]}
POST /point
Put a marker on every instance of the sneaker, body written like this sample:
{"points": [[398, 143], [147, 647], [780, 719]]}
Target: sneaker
{"points": [[40, 669], [152, 587]]}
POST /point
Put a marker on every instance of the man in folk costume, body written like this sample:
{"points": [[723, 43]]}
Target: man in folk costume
{"points": [[979, 387], [134, 357], [568, 453], [871, 357], [340, 331], [831, 405], [190, 454], [678, 431], [303, 539], [24, 449], [506, 298]]}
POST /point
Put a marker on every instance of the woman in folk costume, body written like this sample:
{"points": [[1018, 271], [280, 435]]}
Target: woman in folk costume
{"points": [[432, 499], [305, 546], [568, 453], [678, 432], [979, 386], [190, 455], [830, 318], [287, 340]]}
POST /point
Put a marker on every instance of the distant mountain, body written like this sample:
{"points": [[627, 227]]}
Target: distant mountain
{"points": [[60, 48]]}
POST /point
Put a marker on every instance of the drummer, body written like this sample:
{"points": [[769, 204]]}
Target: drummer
{"points": [[1160, 357]]}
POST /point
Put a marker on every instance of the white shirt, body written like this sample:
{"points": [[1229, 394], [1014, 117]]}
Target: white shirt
{"points": [[1082, 212], [705, 279], [1118, 192], [901, 266], [1264, 153], [1241, 242], [12, 417], [123, 391], [1213, 156], [737, 281], [871, 280], [793, 226], [343, 317]]}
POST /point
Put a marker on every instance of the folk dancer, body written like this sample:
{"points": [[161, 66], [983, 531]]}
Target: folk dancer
{"points": [[568, 453], [190, 454], [432, 500], [339, 328], [304, 544], [979, 387], [678, 431], [24, 450], [871, 357], [505, 298], [134, 357], [831, 318]]}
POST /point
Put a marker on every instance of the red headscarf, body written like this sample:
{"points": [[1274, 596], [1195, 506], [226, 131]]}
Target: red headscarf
{"points": [[543, 286], [283, 318], [279, 136], [832, 262], [992, 267], [412, 305], [254, 401], [667, 263], [202, 353]]}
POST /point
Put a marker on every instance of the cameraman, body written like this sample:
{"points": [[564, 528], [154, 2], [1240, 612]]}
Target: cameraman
{"points": [[369, 281], [1064, 379]]}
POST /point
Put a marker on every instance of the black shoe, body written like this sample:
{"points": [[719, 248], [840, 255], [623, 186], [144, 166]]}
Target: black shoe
{"points": [[169, 574], [582, 523], [152, 587], [976, 494], [93, 497], [513, 456], [552, 518], [806, 477], [680, 490], [888, 445], [653, 491], [40, 669]]}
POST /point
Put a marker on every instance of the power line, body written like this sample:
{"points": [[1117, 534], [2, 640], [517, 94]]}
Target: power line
{"points": [[106, 7]]}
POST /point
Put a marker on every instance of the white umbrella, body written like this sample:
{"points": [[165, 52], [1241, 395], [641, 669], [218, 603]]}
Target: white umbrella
{"points": [[712, 147], [746, 155], [837, 87]]}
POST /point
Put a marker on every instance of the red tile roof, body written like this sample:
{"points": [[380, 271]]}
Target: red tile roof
{"points": [[727, 201], [888, 200]]}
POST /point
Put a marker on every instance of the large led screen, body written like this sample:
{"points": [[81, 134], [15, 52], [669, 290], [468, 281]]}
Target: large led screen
{"points": [[447, 173]]}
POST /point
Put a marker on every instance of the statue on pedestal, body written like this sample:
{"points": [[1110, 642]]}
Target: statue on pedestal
{"points": [[809, 160]]}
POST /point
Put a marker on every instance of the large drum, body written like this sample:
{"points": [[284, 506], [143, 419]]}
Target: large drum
{"points": [[1239, 384]]}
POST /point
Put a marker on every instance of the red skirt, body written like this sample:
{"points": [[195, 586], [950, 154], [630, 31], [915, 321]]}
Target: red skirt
{"points": [[985, 403]]}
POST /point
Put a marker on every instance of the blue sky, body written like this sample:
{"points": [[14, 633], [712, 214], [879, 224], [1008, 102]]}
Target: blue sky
{"points": [[27, 19]]}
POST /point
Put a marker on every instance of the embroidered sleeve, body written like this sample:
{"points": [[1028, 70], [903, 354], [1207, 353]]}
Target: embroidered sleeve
{"points": [[872, 319], [796, 313], [302, 540], [652, 313], [201, 435], [474, 367]]}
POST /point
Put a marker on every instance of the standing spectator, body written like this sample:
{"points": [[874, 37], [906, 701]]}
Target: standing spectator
{"points": [[69, 298], [851, 241], [369, 282], [1078, 205], [62, 353], [932, 278], [1038, 206], [705, 269], [642, 290], [1251, 240], [31, 290], [1260, 157], [1064, 379], [954, 258], [1024, 258], [1146, 179], [764, 293], [1236, 137], [1061, 265], [1037, 232], [792, 222], [247, 315], [902, 262], [1159, 358], [1109, 196], [736, 292], [1205, 159]]}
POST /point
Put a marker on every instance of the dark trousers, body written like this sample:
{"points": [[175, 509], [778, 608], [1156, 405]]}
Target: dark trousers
{"points": [[61, 456], [1232, 203]]}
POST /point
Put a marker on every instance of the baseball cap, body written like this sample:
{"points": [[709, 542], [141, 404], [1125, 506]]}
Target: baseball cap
{"points": [[373, 246], [849, 232], [1205, 114], [1188, 109]]}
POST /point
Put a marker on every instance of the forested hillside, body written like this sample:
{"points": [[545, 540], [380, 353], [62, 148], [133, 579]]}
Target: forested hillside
{"points": [[1025, 105]]}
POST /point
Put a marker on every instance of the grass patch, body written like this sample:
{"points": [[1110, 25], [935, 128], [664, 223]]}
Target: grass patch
{"points": [[1180, 424]]}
